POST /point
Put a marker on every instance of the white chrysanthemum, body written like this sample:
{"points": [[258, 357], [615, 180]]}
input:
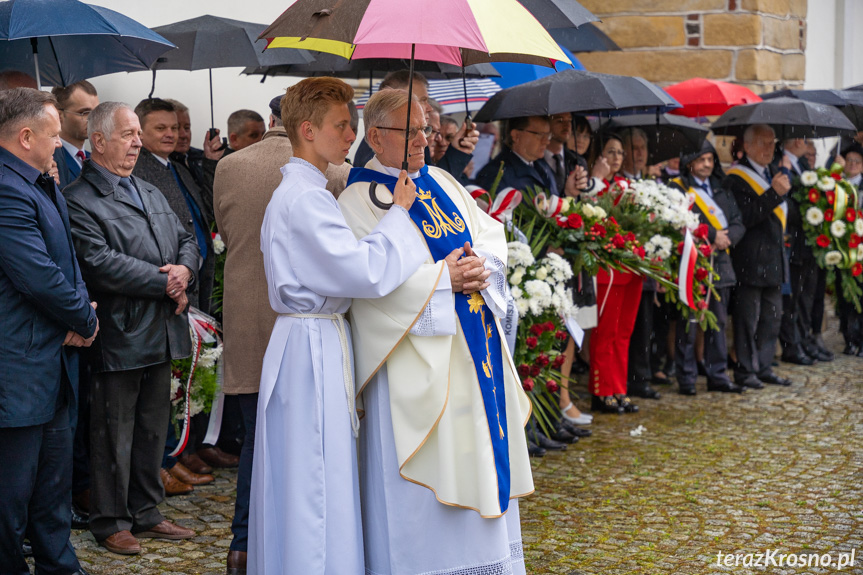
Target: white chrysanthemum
{"points": [[519, 254], [175, 387], [218, 244], [837, 228], [522, 307], [826, 184], [541, 273], [860, 253], [809, 178], [858, 227], [537, 289], [196, 407], [814, 216], [832, 258], [516, 292]]}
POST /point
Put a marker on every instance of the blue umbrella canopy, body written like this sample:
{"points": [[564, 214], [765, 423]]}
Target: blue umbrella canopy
{"points": [[65, 41], [512, 74]]}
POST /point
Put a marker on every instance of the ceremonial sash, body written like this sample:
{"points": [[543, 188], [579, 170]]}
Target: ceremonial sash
{"points": [[707, 205], [444, 230], [760, 185]]}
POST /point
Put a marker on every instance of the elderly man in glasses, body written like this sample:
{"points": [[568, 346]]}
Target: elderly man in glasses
{"points": [[442, 439], [523, 163]]}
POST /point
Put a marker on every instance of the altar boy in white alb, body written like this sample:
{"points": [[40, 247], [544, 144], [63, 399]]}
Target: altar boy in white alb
{"points": [[442, 445], [305, 509]]}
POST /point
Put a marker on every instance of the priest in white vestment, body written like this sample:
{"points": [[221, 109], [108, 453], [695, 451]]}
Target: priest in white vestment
{"points": [[305, 509], [443, 456]]}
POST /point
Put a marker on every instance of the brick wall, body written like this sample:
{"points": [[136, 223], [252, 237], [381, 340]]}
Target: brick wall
{"points": [[757, 43]]}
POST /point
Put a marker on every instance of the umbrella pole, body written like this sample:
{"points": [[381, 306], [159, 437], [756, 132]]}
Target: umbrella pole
{"points": [[467, 118], [152, 86], [212, 120], [34, 42], [410, 105]]}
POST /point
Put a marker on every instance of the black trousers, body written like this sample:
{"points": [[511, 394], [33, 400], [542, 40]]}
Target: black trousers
{"points": [[797, 315], [240, 526], [640, 370], [757, 315], [81, 443], [715, 345], [850, 320], [129, 412], [36, 494], [818, 304]]}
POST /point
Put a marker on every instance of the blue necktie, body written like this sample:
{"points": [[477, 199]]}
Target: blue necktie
{"points": [[706, 188], [130, 189]]}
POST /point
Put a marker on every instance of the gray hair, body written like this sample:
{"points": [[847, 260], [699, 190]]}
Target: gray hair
{"points": [[22, 106], [629, 133], [755, 129], [436, 106], [382, 104], [237, 120], [179, 107], [102, 118], [444, 120]]}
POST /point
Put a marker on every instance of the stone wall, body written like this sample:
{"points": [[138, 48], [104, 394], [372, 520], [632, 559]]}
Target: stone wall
{"points": [[757, 43]]}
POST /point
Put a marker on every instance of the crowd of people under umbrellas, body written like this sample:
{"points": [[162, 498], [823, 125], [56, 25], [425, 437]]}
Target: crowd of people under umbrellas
{"points": [[120, 469]]}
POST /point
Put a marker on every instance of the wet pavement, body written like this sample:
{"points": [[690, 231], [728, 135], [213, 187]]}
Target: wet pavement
{"points": [[778, 470]]}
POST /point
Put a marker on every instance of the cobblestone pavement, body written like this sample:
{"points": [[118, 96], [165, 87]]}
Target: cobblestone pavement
{"points": [[779, 468]]}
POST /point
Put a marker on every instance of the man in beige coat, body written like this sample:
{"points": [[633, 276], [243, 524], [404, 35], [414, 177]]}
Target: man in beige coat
{"points": [[245, 181]]}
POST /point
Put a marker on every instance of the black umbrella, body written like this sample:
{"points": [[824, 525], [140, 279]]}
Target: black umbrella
{"points": [[209, 42], [668, 135], [586, 38], [789, 118], [849, 102], [577, 91], [559, 13]]}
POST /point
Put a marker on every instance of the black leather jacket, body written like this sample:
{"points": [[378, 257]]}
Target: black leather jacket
{"points": [[120, 249]]}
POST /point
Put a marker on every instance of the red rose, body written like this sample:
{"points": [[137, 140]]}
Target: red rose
{"points": [[531, 342], [702, 305], [700, 232], [836, 176], [814, 196], [639, 251], [598, 229], [701, 274], [561, 335], [854, 241], [828, 215], [177, 373], [822, 241], [527, 384], [558, 361], [705, 250], [552, 386], [561, 222], [618, 241], [680, 248], [534, 370], [851, 214], [702, 289], [856, 269], [574, 221], [542, 360], [830, 197], [549, 326], [524, 370], [630, 237], [537, 329]]}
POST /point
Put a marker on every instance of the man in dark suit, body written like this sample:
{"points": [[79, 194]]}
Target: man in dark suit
{"points": [[75, 103], [159, 126], [759, 258], [45, 311], [716, 207], [136, 255]]}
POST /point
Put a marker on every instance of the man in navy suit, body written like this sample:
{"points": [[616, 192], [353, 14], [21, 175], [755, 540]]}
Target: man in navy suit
{"points": [[44, 313], [75, 102]]}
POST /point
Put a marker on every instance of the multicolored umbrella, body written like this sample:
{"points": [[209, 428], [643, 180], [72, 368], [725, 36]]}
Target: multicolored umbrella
{"points": [[701, 97]]}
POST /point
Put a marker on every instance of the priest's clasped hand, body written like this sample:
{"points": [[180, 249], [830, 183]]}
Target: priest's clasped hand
{"points": [[467, 274]]}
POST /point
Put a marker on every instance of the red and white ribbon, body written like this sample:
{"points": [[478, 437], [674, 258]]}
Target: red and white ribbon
{"points": [[505, 201], [686, 274], [549, 206]]}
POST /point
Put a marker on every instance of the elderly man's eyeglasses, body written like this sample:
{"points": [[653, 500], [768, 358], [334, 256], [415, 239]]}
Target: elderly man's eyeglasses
{"points": [[83, 114], [542, 135], [412, 133]]}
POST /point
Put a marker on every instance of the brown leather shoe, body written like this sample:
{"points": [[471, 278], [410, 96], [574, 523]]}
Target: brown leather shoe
{"points": [[180, 472], [122, 542], [81, 500], [194, 463], [236, 563], [166, 530], [174, 486], [218, 458]]}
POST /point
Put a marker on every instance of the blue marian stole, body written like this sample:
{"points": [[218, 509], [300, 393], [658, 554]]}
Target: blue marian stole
{"points": [[444, 229]]}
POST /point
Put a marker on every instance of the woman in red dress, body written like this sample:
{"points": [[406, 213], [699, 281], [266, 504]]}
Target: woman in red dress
{"points": [[617, 297]]}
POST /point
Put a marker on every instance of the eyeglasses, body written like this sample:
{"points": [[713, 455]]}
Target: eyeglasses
{"points": [[542, 135], [435, 134], [83, 114], [853, 162], [412, 133], [613, 153]]}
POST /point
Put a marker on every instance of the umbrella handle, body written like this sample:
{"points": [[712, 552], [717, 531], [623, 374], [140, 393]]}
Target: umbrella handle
{"points": [[375, 200]]}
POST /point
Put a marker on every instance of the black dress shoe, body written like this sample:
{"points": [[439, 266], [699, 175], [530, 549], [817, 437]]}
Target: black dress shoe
{"points": [[605, 404], [851, 349], [644, 391], [816, 352], [797, 356], [564, 436], [725, 387], [686, 390], [80, 520], [534, 450], [574, 429], [548, 443], [774, 379], [750, 381], [626, 403]]}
